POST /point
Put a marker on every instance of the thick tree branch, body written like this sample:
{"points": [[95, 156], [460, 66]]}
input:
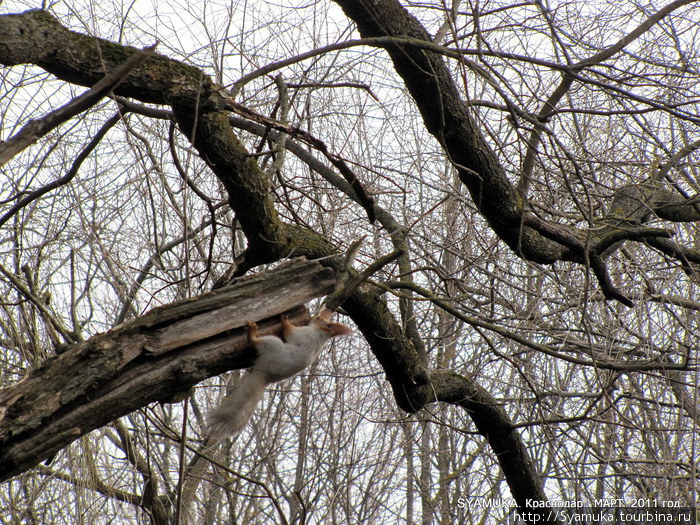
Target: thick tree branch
{"points": [[35, 129], [199, 110], [494, 424], [449, 119], [151, 358]]}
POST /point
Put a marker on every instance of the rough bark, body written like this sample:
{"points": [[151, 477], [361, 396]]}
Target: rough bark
{"points": [[493, 423], [448, 117], [125, 365], [151, 358]]}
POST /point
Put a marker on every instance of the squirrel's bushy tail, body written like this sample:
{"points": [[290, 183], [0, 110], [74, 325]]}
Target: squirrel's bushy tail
{"points": [[235, 410]]}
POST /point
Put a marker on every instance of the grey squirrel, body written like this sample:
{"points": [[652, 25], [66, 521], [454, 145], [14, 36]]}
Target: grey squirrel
{"points": [[276, 360]]}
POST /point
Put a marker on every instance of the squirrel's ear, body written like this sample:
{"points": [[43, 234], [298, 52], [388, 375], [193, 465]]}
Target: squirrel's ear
{"points": [[337, 329]]}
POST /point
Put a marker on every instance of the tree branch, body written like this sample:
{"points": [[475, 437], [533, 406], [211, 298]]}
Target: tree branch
{"points": [[567, 81], [151, 358], [35, 129], [493, 423], [363, 197], [70, 174], [449, 119]]}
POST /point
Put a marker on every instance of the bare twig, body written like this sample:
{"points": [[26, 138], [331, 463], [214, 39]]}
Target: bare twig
{"points": [[35, 129], [34, 195], [190, 184], [346, 284], [567, 81], [364, 198], [278, 146], [202, 452]]}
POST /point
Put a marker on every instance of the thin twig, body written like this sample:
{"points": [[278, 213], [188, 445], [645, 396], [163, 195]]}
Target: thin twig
{"points": [[35, 129], [75, 167], [363, 197], [341, 294]]}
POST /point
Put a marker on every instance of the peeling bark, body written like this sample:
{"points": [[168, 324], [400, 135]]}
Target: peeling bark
{"points": [[152, 358], [144, 360]]}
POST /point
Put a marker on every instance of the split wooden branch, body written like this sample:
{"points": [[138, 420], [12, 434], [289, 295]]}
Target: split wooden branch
{"points": [[151, 358]]}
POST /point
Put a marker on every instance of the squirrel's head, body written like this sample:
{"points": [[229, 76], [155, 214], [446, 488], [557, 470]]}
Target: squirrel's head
{"points": [[323, 322]]}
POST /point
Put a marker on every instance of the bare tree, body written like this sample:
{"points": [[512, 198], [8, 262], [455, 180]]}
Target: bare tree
{"points": [[535, 166]]}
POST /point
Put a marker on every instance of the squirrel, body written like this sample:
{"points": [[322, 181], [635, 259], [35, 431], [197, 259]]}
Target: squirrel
{"points": [[277, 359]]}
